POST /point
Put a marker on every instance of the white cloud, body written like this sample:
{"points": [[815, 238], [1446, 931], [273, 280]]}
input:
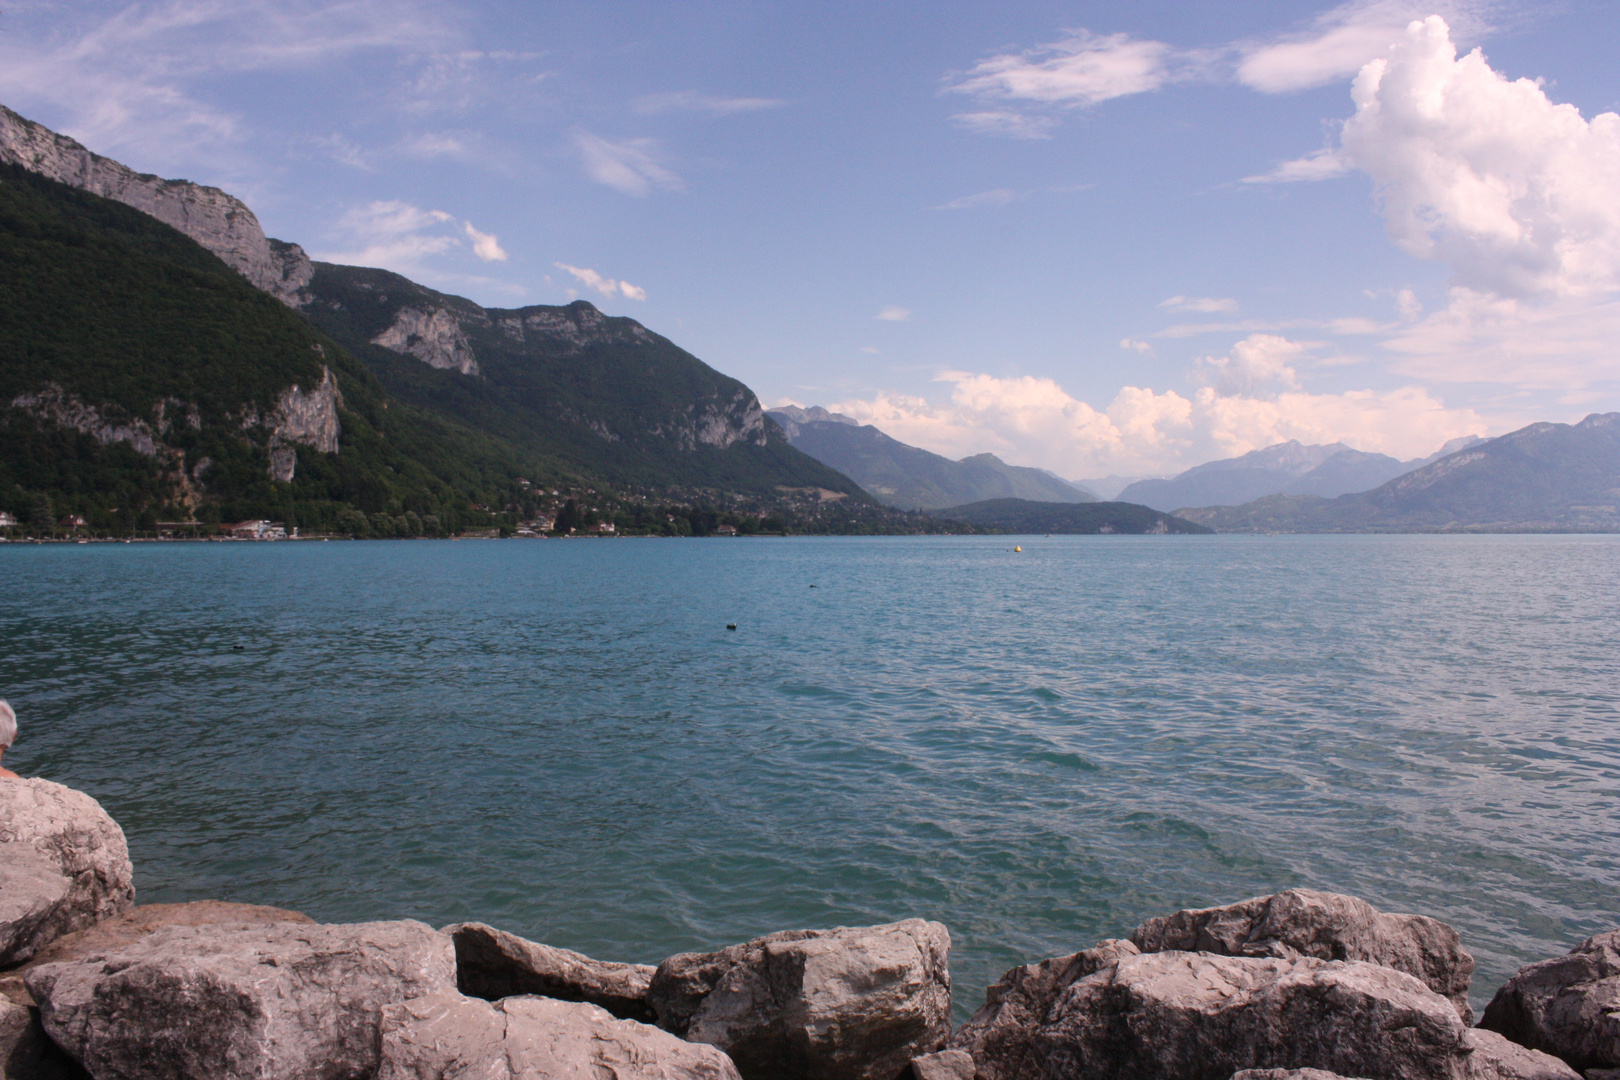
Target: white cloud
{"points": [[605, 285], [1006, 123], [1520, 196], [1082, 69], [1321, 164], [1034, 421], [1257, 364], [119, 78], [1133, 345], [398, 236], [1206, 304], [691, 101], [1336, 47], [485, 246], [624, 166], [1407, 305], [993, 197], [894, 314]]}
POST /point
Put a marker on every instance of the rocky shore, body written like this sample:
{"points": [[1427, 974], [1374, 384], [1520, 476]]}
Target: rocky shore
{"points": [[1301, 985]]}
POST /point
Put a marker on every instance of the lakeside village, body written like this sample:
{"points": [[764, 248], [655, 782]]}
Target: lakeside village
{"points": [[558, 514]]}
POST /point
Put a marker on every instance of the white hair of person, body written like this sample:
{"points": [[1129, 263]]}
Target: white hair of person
{"points": [[8, 726]]}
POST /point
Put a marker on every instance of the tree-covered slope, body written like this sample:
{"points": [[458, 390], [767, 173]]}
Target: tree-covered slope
{"points": [[141, 378], [1024, 516], [1542, 477], [911, 478], [604, 395]]}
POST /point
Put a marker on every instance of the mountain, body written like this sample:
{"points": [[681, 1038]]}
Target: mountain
{"points": [[1557, 477], [219, 222], [912, 478], [1026, 516], [602, 395], [142, 378], [1108, 487], [153, 317], [1286, 468]]}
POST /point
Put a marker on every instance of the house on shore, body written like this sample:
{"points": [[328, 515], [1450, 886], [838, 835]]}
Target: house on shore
{"points": [[255, 530]]}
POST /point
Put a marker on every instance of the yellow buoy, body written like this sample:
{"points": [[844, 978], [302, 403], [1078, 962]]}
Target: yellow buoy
{"points": [[1017, 548]]}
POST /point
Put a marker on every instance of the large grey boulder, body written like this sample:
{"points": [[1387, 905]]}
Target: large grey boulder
{"points": [[1018, 1003], [1197, 1016], [448, 1035], [1568, 1006], [227, 1001], [493, 964], [1494, 1057], [1327, 926], [942, 1065], [844, 1004], [63, 866]]}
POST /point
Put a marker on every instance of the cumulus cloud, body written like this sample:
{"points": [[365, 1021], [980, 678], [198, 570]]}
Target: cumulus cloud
{"points": [[398, 236], [1034, 421], [1519, 195], [605, 285], [1136, 346], [628, 166], [1258, 363], [894, 314]]}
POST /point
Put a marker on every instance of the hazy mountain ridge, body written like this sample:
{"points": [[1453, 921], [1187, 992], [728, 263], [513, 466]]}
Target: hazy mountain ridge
{"points": [[1088, 519], [1290, 468], [1552, 477], [910, 477]]}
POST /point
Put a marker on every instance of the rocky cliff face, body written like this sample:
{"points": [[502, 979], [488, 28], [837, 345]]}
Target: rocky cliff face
{"points": [[304, 417], [433, 336], [219, 222]]}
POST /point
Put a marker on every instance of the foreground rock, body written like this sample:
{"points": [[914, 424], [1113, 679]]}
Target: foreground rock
{"points": [[25, 1052], [1568, 1006], [844, 1004], [226, 1001], [999, 1035], [1287, 1074], [1327, 926], [448, 1035], [1494, 1057], [63, 866], [1196, 1016], [944, 1065], [493, 964]]}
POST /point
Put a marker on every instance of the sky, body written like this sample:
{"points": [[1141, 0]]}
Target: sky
{"points": [[1093, 237]]}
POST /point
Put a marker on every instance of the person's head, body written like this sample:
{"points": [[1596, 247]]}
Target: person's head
{"points": [[8, 727]]}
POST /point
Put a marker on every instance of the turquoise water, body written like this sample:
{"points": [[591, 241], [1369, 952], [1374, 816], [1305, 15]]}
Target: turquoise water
{"points": [[1038, 749]]}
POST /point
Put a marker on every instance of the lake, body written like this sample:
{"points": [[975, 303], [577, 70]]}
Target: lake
{"points": [[1038, 749]]}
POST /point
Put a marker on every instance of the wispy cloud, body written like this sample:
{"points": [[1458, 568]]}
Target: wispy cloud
{"points": [[1081, 69], [602, 284], [1205, 304], [399, 236], [690, 101], [1321, 164], [1006, 123], [894, 314], [994, 197], [628, 166]]}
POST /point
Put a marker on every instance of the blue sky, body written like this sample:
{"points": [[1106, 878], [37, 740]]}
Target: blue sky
{"points": [[1093, 237]]}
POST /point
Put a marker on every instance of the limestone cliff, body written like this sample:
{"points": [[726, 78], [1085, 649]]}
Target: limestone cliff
{"points": [[433, 336], [219, 222], [304, 417]]}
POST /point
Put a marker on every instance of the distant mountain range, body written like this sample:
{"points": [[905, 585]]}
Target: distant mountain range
{"points": [[1092, 518], [1289, 468], [1542, 477], [911, 478]]}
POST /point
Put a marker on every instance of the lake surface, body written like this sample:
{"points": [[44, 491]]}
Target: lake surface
{"points": [[1039, 750]]}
